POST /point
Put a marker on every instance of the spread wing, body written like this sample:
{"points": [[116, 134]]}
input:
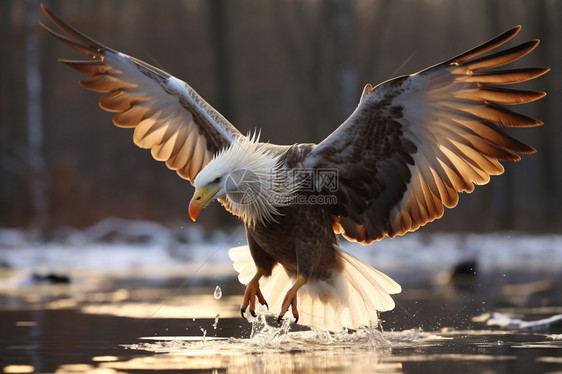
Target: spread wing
{"points": [[167, 115], [416, 141]]}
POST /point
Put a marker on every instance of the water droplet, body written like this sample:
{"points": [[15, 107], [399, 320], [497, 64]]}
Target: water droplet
{"points": [[218, 293]]}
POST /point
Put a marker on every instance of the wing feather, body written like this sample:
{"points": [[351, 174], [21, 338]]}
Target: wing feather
{"points": [[167, 115], [184, 153], [90, 67], [416, 141], [119, 101], [499, 95], [502, 58], [503, 77]]}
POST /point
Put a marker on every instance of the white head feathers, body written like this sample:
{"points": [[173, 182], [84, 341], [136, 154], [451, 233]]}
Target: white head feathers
{"points": [[251, 180]]}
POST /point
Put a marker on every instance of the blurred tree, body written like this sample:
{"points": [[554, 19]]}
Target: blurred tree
{"points": [[219, 27], [550, 184], [34, 106], [338, 17]]}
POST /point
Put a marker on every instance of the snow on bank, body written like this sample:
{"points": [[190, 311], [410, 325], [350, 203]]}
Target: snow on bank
{"points": [[508, 251], [508, 321], [119, 247], [123, 247]]}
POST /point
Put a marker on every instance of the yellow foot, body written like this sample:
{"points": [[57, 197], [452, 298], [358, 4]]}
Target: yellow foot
{"points": [[253, 290], [291, 300]]}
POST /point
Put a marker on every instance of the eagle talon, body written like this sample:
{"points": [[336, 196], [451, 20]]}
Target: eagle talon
{"points": [[253, 291], [290, 299], [280, 319], [243, 312]]}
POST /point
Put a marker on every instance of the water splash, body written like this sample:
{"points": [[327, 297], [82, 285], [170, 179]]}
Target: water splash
{"points": [[218, 293], [204, 334], [216, 322], [262, 332], [268, 340], [267, 337]]}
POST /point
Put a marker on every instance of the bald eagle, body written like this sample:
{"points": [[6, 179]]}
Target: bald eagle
{"points": [[411, 145]]}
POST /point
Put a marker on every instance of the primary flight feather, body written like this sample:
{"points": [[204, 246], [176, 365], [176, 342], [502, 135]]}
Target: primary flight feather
{"points": [[411, 145]]}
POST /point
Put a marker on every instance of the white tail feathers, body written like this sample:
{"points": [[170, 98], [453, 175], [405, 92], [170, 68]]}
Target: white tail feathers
{"points": [[350, 298]]}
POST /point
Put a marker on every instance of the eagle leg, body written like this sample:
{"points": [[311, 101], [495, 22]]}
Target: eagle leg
{"points": [[253, 290], [291, 299]]}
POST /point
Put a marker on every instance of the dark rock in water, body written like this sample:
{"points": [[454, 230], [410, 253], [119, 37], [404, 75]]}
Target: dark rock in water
{"points": [[462, 276], [51, 278], [463, 269]]}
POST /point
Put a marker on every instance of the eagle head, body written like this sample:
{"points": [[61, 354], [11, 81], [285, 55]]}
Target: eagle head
{"points": [[249, 179]]}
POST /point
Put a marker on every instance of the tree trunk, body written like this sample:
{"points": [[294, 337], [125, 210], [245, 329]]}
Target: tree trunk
{"points": [[219, 33], [339, 16], [34, 114]]}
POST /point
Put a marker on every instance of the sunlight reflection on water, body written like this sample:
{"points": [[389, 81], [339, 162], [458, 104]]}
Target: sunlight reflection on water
{"points": [[278, 350], [267, 362], [284, 353]]}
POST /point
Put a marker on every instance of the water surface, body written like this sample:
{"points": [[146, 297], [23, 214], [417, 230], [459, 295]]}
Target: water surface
{"points": [[134, 325]]}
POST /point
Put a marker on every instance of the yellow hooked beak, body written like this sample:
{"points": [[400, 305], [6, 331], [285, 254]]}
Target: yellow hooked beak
{"points": [[200, 198]]}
